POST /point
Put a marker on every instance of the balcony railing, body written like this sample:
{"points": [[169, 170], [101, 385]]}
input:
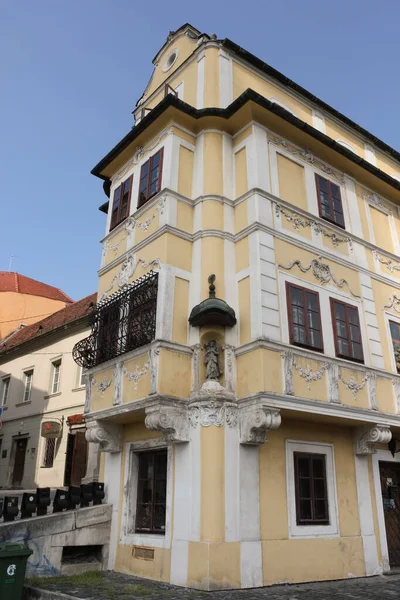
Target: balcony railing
{"points": [[122, 322]]}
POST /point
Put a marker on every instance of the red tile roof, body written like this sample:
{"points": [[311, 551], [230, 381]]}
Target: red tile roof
{"points": [[65, 316], [14, 282]]}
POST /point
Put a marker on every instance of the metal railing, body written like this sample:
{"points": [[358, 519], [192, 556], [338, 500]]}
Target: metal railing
{"points": [[124, 321]]}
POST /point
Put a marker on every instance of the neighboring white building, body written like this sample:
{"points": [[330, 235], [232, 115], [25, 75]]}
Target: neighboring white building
{"points": [[42, 393]]}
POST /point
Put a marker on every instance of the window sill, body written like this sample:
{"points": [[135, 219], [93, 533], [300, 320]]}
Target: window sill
{"points": [[153, 540], [52, 395], [24, 403], [79, 389]]}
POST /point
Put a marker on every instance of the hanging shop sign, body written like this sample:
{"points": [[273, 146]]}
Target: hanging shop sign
{"points": [[51, 429]]}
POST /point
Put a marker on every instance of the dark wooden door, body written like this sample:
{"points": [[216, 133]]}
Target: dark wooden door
{"points": [[19, 462], [79, 458], [390, 482]]}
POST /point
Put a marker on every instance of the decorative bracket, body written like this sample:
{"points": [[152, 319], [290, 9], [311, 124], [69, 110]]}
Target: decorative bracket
{"points": [[107, 435], [366, 438], [255, 421], [171, 421]]}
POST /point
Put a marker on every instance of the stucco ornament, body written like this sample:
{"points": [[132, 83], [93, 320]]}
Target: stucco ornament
{"points": [[216, 413], [256, 421], [107, 435], [102, 385], [134, 376], [389, 264], [321, 271], [297, 221], [131, 224], [306, 155], [127, 270], [308, 374], [394, 302], [366, 438], [353, 385], [171, 421], [375, 200], [213, 369]]}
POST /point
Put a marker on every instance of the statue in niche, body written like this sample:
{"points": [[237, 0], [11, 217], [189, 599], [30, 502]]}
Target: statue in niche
{"points": [[213, 369]]}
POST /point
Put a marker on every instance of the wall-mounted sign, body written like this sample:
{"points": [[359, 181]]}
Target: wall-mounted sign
{"points": [[51, 429], [76, 419]]}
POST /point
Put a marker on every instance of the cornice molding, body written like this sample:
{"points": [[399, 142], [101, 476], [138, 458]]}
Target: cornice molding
{"points": [[274, 400]]}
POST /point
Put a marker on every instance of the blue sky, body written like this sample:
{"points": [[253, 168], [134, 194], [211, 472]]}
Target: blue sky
{"points": [[71, 72]]}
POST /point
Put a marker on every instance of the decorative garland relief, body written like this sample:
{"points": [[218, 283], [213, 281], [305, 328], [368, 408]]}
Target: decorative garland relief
{"points": [[298, 222], [131, 224], [321, 271]]}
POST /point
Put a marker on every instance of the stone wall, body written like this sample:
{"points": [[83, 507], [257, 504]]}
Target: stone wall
{"points": [[48, 535]]}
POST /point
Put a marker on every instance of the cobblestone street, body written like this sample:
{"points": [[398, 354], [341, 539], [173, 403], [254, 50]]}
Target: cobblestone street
{"points": [[112, 586]]}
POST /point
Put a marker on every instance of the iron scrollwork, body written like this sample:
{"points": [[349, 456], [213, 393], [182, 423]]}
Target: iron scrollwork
{"points": [[124, 321]]}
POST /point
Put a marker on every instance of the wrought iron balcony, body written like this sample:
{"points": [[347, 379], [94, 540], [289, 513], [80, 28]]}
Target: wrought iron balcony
{"points": [[124, 321]]}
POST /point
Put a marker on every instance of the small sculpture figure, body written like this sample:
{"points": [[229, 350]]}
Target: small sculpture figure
{"points": [[213, 369]]}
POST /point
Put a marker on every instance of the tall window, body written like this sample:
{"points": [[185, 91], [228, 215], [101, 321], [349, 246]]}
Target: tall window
{"points": [[329, 201], [28, 376], [121, 202], [395, 333], [311, 489], [150, 177], [304, 317], [152, 492], [49, 453], [55, 379], [82, 377], [5, 390], [346, 331]]}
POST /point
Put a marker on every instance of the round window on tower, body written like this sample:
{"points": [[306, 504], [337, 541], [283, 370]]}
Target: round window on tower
{"points": [[171, 58]]}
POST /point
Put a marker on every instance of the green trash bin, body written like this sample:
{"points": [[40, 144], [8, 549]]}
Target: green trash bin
{"points": [[13, 559]]}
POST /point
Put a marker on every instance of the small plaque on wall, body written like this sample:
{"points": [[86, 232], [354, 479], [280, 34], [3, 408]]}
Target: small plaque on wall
{"points": [[4, 454], [143, 552]]}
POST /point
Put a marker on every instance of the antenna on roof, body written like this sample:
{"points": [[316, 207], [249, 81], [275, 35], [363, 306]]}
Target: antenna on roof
{"points": [[12, 256]]}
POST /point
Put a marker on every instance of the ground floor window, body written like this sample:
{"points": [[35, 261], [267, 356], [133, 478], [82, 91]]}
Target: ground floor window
{"points": [[311, 489], [49, 453], [151, 492]]}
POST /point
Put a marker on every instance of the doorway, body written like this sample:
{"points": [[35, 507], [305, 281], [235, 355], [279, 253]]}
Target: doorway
{"points": [[76, 459], [390, 484], [19, 462]]}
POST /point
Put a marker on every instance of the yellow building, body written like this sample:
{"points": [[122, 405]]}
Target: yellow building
{"points": [[246, 448]]}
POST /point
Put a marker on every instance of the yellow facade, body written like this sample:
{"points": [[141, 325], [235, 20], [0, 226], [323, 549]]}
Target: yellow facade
{"points": [[302, 374]]}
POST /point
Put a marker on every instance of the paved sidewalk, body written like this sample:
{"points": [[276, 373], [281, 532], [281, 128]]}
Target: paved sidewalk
{"points": [[115, 586]]}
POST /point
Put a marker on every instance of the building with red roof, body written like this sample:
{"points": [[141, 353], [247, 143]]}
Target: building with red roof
{"points": [[42, 394], [24, 301]]}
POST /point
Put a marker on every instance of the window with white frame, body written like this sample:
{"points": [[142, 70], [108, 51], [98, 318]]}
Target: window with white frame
{"points": [[81, 377], [311, 488], [55, 376], [148, 494], [5, 390], [28, 377], [151, 492]]}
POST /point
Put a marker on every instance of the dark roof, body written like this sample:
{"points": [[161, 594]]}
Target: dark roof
{"points": [[268, 70], [15, 282], [226, 113], [66, 316]]}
